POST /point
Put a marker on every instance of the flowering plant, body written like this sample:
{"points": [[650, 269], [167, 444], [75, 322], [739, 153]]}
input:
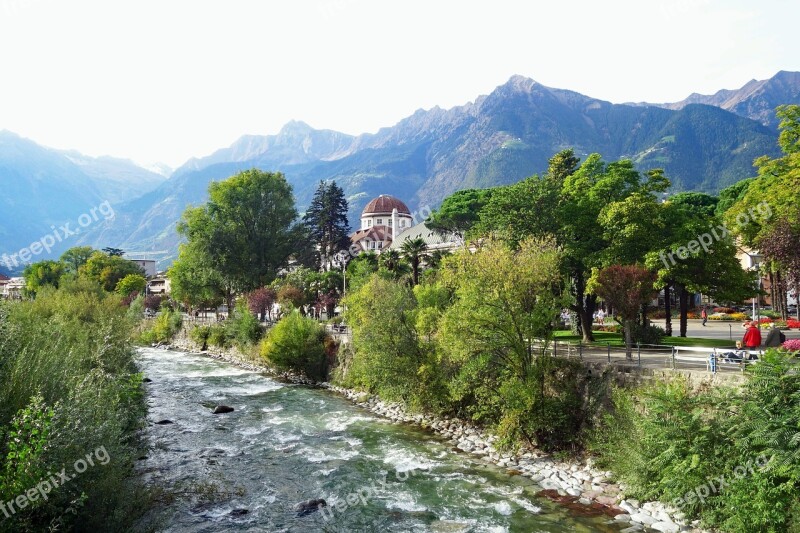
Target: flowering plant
{"points": [[793, 324], [793, 345]]}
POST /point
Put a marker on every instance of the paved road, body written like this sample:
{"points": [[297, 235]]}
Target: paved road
{"points": [[716, 330]]}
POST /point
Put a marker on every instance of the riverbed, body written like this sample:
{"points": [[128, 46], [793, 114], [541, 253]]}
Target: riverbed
{"points": [[286, 443]]}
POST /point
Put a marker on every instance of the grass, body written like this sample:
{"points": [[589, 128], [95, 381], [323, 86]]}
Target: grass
{"points": [[615, 339]]}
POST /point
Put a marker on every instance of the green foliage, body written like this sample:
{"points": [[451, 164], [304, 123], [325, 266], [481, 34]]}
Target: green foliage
{"points": [[132, 283], [165, 326], [459, 212], [200, 334], [107, 270], [667, 440], [68, 384], [243, 327], [297, 343], [326, 218], [42, 274], [246, 231]]}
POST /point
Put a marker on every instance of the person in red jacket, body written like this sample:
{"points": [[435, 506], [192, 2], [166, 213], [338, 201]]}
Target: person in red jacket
{"points": [[752, 337]]}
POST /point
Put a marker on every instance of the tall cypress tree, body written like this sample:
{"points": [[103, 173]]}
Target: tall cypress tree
{"points": [[326, 219]]}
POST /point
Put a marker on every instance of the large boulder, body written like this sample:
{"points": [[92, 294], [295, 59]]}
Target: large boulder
{"points": [[309, 506], [222, 409]]}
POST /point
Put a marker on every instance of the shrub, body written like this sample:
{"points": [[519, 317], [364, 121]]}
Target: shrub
{"points": [[200, 335], [243, 328], [769, 314], [658, 314], [649, 334], [297, 343], [165, 326], [217, 336], [611, 328], [725, 310]]}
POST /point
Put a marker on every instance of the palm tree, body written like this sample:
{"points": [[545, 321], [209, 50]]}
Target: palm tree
{"points": [[390, 260], [414, 250]]}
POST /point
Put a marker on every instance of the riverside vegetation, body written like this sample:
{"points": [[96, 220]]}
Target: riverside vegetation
{"points": [[68, 386]]}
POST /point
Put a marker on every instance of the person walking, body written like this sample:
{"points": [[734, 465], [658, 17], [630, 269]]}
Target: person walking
{"points": [[704, 315], [752, 337]]}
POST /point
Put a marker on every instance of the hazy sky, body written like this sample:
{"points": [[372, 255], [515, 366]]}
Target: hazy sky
{"points": [[167, 80]]}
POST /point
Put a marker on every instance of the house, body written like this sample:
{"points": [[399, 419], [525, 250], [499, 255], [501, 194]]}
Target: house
{"points": [[147, 265], [383, 219], [159, 285], [4, 281], [13, 288]]}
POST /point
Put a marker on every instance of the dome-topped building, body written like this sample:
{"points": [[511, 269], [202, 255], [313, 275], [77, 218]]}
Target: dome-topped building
{"points": [[382, 220], [378, 212]]}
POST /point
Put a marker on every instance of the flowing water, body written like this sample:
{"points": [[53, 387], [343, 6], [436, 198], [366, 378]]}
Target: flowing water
{"points": [[284, 444]]}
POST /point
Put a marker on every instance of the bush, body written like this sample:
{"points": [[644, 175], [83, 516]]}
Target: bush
{"points": [[165, 326], [649, 334], [297, 343], [734, 317], [243, 328], [769, 314], [200, 335], [217, 336], [665, 440], [725, 310]]}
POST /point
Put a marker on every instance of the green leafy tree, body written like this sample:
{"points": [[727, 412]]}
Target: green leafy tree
{"points": [[326, 219], [42, 274], [108, 270], [460, 211], [132, 283], [497, 331], [194, 282], [76, 257], [114, 252], [246, 231]]}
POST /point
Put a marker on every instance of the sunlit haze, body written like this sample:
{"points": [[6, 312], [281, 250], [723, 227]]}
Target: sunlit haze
{"points": [[165, 81]]}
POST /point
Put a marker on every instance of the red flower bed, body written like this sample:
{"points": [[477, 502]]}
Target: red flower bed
{"points": [[765, 320], [793, 324]]}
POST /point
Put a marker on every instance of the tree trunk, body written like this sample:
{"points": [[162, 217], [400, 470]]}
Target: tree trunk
{"points": [[628, 339], [589, 304], [668, 309], [683, 301]]}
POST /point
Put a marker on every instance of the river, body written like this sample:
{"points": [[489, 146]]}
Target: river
{"points": [[285, 443]]}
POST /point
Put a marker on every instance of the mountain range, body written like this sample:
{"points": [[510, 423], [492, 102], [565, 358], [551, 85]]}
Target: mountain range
{"points": [[704, 143]]}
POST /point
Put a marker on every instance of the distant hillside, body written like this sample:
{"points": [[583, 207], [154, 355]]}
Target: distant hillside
{"points": [[757, 99], [42, 189], [497, 139]]}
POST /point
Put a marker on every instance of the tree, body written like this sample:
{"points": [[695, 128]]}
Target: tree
{"points": [[326, 219], [114, 252], [260, 302], [42, 274], [246, 231], [390, 260], [130, 284], [414, 250], [108, 270], [626, 288], [780, 243], [459, 212], [297, 343], [496, 333], [194, 282], [76, 257]]}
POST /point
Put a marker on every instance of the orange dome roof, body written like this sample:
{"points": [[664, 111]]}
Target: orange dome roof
{"points": [[384, 204]]}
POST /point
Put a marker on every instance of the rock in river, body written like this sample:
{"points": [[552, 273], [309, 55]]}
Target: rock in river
{"points": [[309, 506], [222, 409]]}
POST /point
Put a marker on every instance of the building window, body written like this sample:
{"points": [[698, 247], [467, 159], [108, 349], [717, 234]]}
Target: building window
{"points": [[390, 222], [379, 221], [380, 244], [369, 223]]}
